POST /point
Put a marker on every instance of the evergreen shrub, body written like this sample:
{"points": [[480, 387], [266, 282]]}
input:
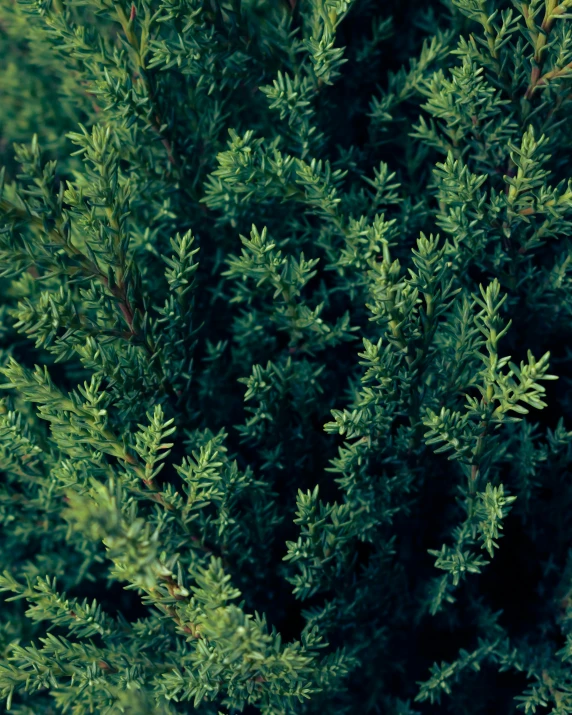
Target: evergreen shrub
{"points": [[285, 288]]}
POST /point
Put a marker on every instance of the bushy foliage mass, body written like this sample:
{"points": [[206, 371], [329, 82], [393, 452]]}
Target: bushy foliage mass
{"points": [[285, 289]]}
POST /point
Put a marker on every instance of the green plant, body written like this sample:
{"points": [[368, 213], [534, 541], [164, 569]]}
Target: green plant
{"points": [[285, 286]]}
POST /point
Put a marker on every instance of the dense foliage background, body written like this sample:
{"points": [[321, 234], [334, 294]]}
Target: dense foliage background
{"points": [[286, 286]]}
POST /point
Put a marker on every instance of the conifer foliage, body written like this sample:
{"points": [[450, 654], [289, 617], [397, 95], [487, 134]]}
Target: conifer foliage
{"points": [[285, 286]]}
